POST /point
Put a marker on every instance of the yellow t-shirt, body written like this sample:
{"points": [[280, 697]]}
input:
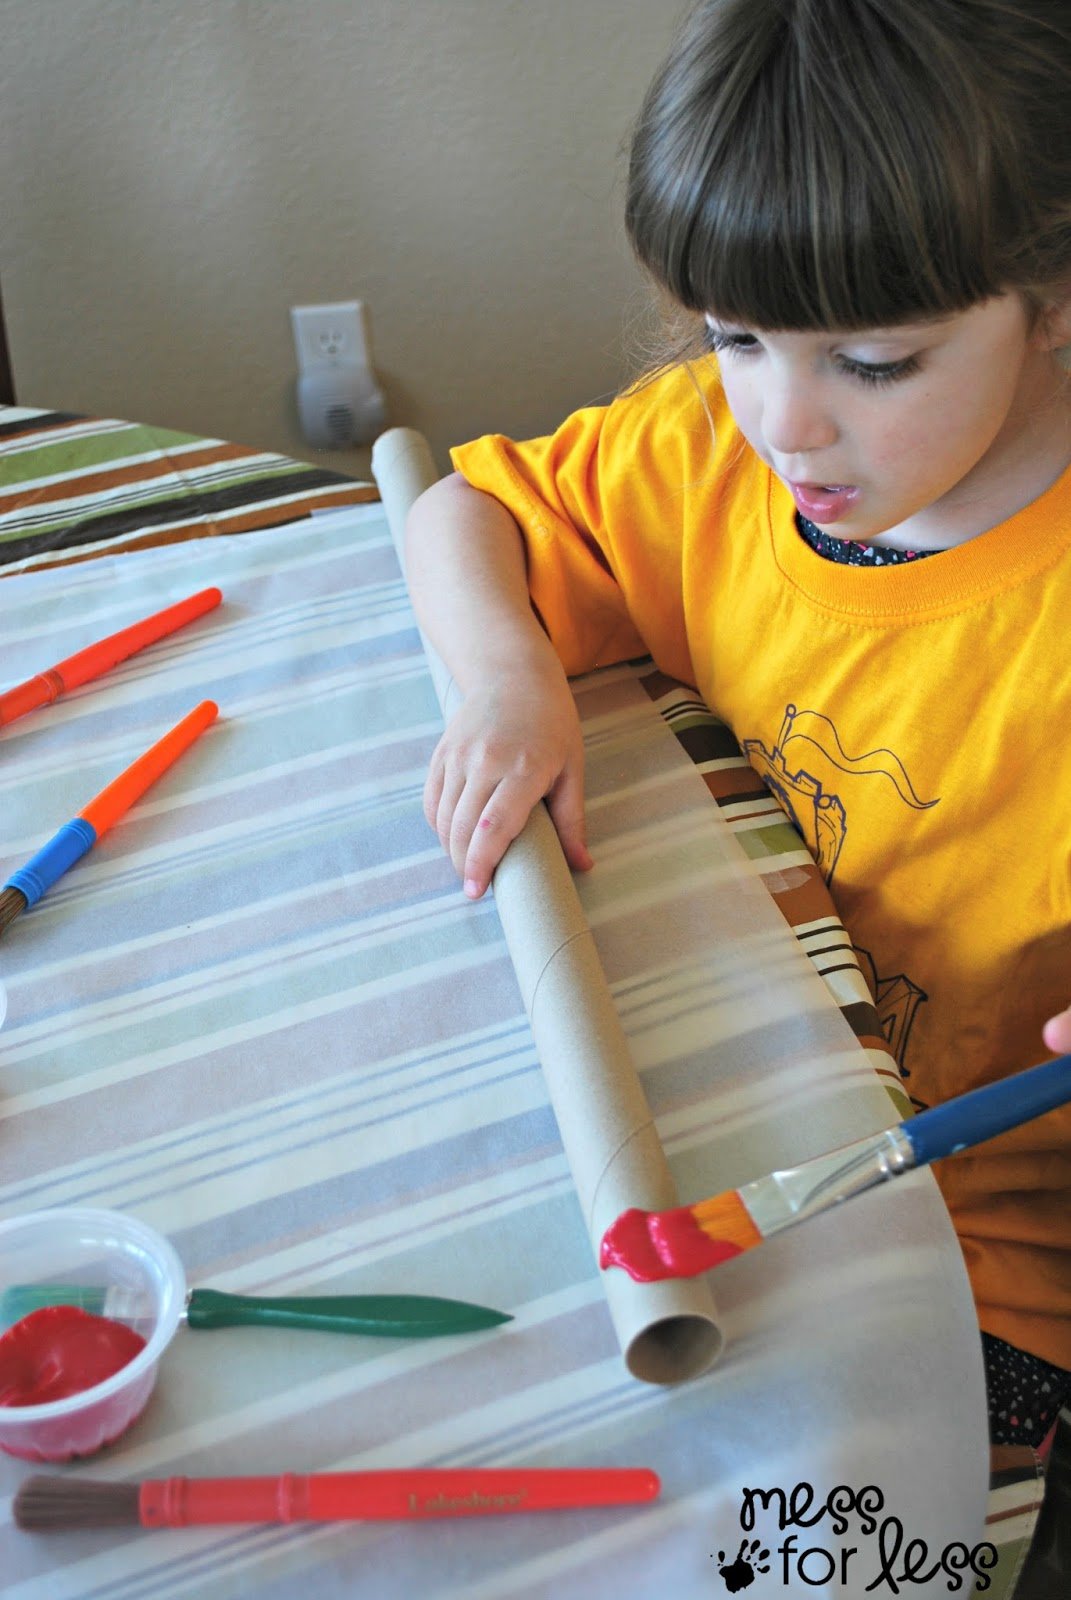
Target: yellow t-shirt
{"points": [[915, 721]]}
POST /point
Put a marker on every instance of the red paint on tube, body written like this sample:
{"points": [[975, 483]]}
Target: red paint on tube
{"points": [[662, 1244]]}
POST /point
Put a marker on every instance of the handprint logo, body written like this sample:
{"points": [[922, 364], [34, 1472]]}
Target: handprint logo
{"points": [[740, 1574]]}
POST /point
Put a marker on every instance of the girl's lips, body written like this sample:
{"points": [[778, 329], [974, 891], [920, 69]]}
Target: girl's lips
{"points": [[823, 503]]}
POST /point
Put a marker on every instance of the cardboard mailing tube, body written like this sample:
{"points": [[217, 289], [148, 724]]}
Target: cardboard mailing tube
{"points": [[668, 1331]]}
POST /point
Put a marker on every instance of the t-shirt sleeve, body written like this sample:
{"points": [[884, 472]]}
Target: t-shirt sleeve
{"points": [[595, 503]]}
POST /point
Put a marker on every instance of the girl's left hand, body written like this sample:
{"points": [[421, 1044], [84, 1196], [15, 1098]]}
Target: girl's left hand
{"points": [[1057, 1033]]}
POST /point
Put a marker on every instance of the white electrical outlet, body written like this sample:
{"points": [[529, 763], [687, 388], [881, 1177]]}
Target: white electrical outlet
{"points": [[339, 401], [327, 335]]}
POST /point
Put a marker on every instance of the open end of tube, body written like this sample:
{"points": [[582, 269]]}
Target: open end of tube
{"points": [[674, 1350]]}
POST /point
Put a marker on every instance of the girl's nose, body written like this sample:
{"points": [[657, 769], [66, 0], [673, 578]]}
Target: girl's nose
{"points": [[795, 421]]}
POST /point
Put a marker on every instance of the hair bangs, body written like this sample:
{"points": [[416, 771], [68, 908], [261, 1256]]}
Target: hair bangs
{"points": [[793, 249], [780, 194]]}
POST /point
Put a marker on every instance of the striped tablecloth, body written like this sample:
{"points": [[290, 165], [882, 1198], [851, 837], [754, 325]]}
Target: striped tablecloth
{"points": [[70, 486], [261, 1016], [794, 882]]}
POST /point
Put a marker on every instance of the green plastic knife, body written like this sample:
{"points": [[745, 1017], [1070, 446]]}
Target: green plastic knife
{"points": [[383, 1316]]}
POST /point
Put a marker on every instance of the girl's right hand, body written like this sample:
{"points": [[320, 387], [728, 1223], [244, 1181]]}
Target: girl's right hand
{"points": [[511, 743]]}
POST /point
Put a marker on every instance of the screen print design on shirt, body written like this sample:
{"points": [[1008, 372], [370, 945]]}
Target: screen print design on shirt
{"points": [[821, 817]]}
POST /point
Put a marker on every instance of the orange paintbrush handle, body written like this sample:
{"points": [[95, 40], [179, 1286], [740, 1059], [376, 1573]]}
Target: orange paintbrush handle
{"points": [[109, 805], [46, 1503], [101, 657], [406, 1494]]}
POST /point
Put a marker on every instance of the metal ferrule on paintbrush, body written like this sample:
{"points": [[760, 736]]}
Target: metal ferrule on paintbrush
{"points": [[782, 1198]]}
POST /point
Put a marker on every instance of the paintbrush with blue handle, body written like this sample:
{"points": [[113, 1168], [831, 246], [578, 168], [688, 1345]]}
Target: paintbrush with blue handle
{"points": [[687, 1240]]}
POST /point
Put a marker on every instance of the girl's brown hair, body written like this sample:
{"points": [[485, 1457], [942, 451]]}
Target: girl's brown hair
{"points": [[811, 164]]}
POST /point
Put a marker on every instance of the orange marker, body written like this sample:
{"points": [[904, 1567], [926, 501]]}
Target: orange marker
{"points": [[101, 657], [26, 886]]}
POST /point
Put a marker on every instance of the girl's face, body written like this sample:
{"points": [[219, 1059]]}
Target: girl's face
{"points": [[924, 434]]}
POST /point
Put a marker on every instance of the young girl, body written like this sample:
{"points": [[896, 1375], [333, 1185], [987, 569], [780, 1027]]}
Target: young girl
{"points": [[847, 520]]}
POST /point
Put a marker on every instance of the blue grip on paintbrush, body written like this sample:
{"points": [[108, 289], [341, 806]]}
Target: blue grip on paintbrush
{"points": [[972, 1118], [52, 860]]}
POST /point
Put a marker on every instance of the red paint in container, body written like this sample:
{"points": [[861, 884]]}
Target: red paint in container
{"points": [[58, 1351], [115, 1254]]}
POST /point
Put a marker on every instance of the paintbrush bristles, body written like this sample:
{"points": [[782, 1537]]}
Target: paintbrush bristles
{"points": [[12, 903], [725, 1216], [46, 1502]]}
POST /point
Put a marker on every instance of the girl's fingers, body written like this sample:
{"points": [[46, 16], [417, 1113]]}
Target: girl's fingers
{"points": [[449, 818], [472, 854], [565, 802], [490, 768], [504, 815], [500, 819], [433, 788], [1057, 1033]]}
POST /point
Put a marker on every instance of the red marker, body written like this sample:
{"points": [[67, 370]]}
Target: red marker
{"points": [[101, 657]]}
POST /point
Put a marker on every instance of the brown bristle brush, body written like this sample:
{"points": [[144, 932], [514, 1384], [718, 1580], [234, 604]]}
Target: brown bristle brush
{"points": [[75, 1503], [50, 1504], [12, 904]]}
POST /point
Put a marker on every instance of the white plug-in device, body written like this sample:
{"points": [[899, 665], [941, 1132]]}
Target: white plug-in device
{"points": [[339, 402]]}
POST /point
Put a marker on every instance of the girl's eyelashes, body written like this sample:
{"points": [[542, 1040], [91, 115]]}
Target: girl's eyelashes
{"points": [[879, 373], [873, 373], [741, 343]]}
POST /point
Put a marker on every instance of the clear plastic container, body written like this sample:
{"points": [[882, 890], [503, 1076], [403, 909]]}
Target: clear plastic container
{"points": [[105, 1250]]}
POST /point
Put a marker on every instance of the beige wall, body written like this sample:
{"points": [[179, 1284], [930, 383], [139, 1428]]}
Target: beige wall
{"points": [[175, 174]]}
